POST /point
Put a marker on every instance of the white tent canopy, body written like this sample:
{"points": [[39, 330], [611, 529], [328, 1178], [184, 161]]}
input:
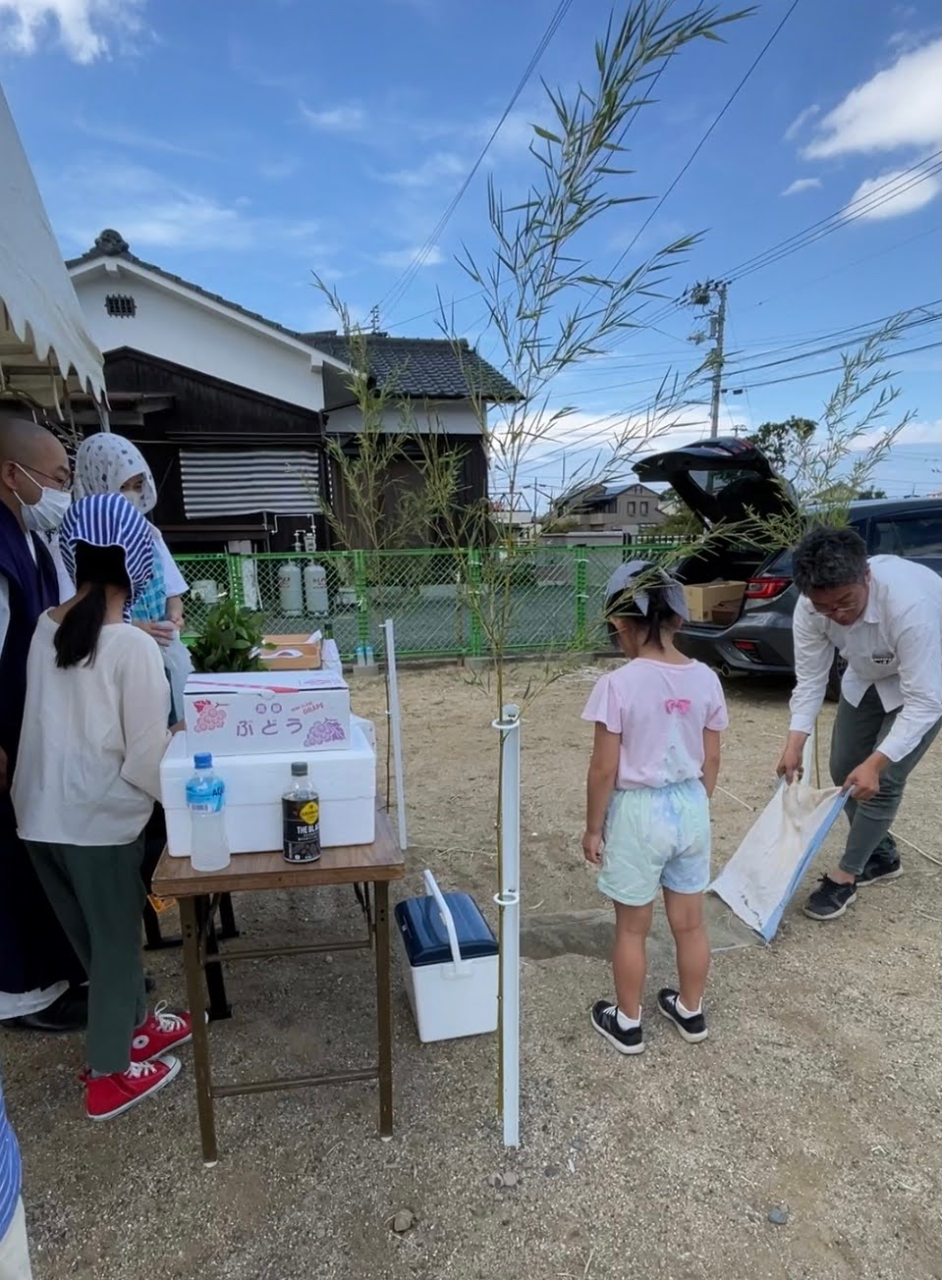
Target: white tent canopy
{"points": [[43, 340]]}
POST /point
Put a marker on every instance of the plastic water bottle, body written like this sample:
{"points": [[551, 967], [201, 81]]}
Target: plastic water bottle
{"points": [[206, 801]]}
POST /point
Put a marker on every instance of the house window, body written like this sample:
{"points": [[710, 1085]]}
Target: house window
{"points": [[238, 482], [644, 508], [631, 508], [121, 305]]}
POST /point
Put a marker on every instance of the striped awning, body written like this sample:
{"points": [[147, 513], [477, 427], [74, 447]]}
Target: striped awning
{"points": [[237, 482]]}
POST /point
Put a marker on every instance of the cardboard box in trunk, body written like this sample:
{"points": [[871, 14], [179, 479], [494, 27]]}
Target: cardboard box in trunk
{"points": [[702, 600]]}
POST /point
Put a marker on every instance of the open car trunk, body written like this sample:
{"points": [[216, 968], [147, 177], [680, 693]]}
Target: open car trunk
{"points": [[723, 482]]}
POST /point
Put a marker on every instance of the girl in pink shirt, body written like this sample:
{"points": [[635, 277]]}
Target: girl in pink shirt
{"points": [[654, 766]]}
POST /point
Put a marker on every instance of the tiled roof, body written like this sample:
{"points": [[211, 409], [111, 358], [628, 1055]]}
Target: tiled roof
{"points": [[423, 367], [111, 244]]}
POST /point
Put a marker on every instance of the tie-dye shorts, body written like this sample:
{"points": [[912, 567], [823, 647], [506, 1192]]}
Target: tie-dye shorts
{"points": [[656, 837]]}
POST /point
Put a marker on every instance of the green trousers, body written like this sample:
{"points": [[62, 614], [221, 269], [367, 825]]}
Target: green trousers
{"points": [[98, 895]]}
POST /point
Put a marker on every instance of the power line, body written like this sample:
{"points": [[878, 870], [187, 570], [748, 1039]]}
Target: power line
{"points": [[859, 208], [400, 286], [649, 406], [700, 145]]}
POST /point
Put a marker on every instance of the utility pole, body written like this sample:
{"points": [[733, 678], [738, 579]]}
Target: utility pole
{"points": [[718, 332]]}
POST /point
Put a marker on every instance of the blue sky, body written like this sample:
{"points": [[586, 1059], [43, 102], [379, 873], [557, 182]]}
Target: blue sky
{"points": [[243, 145]]}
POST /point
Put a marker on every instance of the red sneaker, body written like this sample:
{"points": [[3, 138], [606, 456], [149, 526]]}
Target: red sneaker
{"points": [[160, 1032], [107, 1096]]}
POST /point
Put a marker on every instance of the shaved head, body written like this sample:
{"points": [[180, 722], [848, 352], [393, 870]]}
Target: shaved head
{"points": [[23, 441], [31, 457]]}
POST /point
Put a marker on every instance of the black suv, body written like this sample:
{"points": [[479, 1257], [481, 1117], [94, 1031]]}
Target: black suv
{"points": [[720, 480]]}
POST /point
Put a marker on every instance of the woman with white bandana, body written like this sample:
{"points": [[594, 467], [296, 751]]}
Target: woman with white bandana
{"points": [[108, 463]]}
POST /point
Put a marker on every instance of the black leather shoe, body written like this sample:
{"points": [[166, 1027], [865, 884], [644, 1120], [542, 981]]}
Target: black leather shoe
{"points": [[68, 1013]]}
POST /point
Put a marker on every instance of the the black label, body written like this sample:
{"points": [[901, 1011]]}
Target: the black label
{"points": [[302, 832]]}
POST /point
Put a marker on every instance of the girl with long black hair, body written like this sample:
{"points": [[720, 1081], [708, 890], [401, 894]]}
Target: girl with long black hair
{"points": [[94, 733]]}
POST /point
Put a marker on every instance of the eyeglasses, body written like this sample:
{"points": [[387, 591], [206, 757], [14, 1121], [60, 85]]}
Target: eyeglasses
{"points": [[64, 486]]}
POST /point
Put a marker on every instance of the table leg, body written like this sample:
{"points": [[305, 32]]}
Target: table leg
{"points": [[227, 921], [383, 1009], [219, 1006], [190, 922]]}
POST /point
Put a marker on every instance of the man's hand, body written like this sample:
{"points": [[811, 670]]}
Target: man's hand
{"points": [[592, 848], [864, 781], [4, 780], [162, 632], [789, 765]]}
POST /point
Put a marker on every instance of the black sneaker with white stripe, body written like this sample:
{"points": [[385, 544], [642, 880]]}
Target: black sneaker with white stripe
{"points": [[831, 900], [605, 1021], [693, 1029], [880, 866]]}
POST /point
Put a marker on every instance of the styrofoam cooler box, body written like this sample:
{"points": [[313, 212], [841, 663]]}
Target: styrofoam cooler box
{"points": [[451, 964], [250, 712], [345, 782]]}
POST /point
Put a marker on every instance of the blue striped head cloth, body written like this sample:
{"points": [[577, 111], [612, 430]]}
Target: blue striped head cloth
{"points": [[109, 520]]}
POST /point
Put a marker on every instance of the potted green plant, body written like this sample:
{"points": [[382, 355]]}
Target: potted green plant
{"points": [[230, 639]]}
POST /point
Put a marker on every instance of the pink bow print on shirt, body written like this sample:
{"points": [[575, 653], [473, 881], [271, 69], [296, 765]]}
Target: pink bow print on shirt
{"points": [[679, 705]]}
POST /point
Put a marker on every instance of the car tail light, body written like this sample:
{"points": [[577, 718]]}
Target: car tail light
{"points": [[748, 648], [766, 588]]}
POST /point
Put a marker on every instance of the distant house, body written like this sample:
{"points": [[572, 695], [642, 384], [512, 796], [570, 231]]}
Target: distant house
{"points": [[232, 410], [513, 512], [627, 508], [444, 388]]}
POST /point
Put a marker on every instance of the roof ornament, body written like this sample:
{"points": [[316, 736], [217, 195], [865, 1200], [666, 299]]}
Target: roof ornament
{"points": [[111, 243]]}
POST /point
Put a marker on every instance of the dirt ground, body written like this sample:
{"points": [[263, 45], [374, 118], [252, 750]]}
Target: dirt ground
{"points": [[816, 1095]]}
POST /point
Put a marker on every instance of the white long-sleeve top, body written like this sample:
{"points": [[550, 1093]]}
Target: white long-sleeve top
{"points": [[88, 769], [896, 646]]}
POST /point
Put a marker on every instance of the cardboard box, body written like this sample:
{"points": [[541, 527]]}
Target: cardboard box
{"points": [[259, 711], [291, 653], [345, 782], [702, 600]]}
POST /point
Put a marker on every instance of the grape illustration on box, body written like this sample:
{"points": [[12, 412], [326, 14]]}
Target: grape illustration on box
{"points": [[324, 731], [209, 715]]}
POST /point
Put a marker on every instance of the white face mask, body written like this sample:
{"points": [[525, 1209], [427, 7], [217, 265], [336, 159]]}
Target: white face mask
{"points": [[137, 499], [46, 515]]}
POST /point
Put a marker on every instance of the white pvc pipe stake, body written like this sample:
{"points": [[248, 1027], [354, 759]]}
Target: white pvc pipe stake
{"points": [[395, 728], [509, 902]]}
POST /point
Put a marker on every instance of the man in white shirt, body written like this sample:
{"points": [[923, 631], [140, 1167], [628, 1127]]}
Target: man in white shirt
{"points": [[884, 616]]}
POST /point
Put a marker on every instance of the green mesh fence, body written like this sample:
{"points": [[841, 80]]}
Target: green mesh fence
{"points": [[444, 603]]}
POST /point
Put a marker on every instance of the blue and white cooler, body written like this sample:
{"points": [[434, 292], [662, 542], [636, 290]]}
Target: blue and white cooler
{"points": [[451, 964]]}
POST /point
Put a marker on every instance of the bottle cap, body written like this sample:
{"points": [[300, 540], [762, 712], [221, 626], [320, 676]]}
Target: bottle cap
{"points": [[299, 769], [203, 760]]}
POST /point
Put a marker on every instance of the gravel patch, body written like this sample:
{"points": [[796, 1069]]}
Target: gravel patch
{"points": [[798, 1143]]}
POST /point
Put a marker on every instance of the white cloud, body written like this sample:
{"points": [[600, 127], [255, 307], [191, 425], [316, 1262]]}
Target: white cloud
{"points": [[277, 168], [913, 433], [85, 28], [900, 106], [442, 166], [153, 213], [135, 140], [911, 194], [401, 259], [342, 119], [800, 121], [801, 184]]}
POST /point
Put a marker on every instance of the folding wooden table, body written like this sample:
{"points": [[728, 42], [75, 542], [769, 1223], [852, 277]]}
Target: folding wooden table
{"points": [[199, 894]]}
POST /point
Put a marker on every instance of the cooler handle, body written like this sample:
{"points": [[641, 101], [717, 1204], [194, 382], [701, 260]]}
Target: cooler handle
{"points": [[459, 967]]}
